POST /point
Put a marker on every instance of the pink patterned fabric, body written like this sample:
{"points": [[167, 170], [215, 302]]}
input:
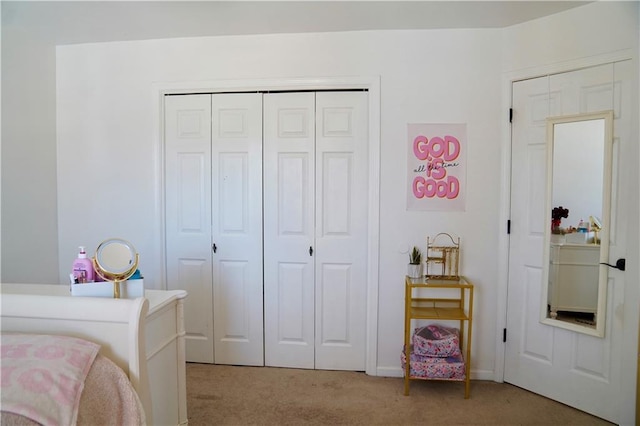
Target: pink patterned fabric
{"points": [[43, 376], [449, 368], [436, 340]]}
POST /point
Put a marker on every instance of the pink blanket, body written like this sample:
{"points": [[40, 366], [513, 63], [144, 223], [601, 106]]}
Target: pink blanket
{"points": [[43, 376]]}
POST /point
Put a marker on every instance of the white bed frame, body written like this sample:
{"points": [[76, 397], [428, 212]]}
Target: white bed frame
{"points": [[115, 324]]}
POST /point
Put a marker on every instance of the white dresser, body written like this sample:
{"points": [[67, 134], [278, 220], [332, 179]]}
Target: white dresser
{"points": [[573, 278], [165, 347]]}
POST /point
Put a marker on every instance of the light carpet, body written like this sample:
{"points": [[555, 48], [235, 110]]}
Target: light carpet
{"points": [[232, 395]]}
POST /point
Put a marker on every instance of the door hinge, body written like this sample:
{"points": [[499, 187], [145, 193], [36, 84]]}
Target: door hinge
{"points": [[509, 226], [504, 335], [510, 115]]}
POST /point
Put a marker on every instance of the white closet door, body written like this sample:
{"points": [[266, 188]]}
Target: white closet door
{"points": [[188, 215], [341, 230], [314, 222], [289, 229], [237, 228], [315, 229]]}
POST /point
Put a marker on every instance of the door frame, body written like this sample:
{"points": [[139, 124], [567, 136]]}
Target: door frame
{"points": [[369, 83], [628, 383]]}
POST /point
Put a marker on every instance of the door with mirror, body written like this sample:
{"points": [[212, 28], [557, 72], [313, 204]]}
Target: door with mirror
{"points": [[568, 327], [578, 191]]}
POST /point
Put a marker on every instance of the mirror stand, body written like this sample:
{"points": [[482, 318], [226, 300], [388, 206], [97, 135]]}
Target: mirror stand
{"points": [[116, 260]]}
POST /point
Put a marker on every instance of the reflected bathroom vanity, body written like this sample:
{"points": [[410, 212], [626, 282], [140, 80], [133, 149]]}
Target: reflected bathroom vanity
{"points": [[573, 278]]}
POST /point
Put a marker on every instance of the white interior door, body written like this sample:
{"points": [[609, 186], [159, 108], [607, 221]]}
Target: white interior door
{"points": [[341, 230], [576, 369], [289, 226], [188, 216], [315, 229], [236, 142], [313, 263]]}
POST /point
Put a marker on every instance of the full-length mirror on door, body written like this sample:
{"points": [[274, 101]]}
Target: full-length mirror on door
{"points": [[578, 204]]}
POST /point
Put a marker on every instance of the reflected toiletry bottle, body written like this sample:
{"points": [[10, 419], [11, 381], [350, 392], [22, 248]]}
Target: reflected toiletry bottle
{"points": [[583, 226], [83, 268]]}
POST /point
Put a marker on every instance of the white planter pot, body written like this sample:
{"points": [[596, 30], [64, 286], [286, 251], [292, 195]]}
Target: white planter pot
{"points": [[414, 271]]}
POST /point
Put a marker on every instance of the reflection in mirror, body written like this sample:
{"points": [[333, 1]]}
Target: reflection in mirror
{"points": [[115, 260], [578, 204]]}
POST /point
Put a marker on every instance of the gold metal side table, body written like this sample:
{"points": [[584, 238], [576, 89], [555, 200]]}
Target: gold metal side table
{"points": [[455, 305]]}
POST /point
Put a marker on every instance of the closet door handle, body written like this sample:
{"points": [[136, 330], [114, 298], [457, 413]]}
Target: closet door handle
{"points": [[310, 251], [214, 247]]}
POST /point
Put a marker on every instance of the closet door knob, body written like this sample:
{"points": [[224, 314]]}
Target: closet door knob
{"points": [[310, 251]]}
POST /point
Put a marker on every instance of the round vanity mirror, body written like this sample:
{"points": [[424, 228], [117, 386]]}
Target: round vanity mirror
{"points": [[115, 260]]}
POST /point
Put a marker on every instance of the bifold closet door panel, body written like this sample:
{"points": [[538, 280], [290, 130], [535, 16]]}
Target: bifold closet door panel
{"points": [[236, 141], [341, 212], [213, 180], [188, 215], [289, 184], [315, 229]]}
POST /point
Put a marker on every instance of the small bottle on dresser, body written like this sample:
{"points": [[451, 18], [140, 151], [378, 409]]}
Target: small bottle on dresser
{"points": [[583, 226], [83, 268]]}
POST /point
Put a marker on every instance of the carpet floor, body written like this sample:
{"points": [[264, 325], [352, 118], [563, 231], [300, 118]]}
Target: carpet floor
{"points": [[232, 395]]}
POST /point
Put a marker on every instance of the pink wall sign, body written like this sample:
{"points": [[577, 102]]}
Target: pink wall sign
{"points": [[436, 167]]}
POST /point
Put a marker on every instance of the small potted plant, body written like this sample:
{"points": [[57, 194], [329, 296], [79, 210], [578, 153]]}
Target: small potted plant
{"points": [[414, 269]]}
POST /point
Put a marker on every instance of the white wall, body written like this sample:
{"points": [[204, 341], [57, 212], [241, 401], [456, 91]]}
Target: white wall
{"points": [[29, 210], [599, 28], [578, 167], [106, 146]]}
